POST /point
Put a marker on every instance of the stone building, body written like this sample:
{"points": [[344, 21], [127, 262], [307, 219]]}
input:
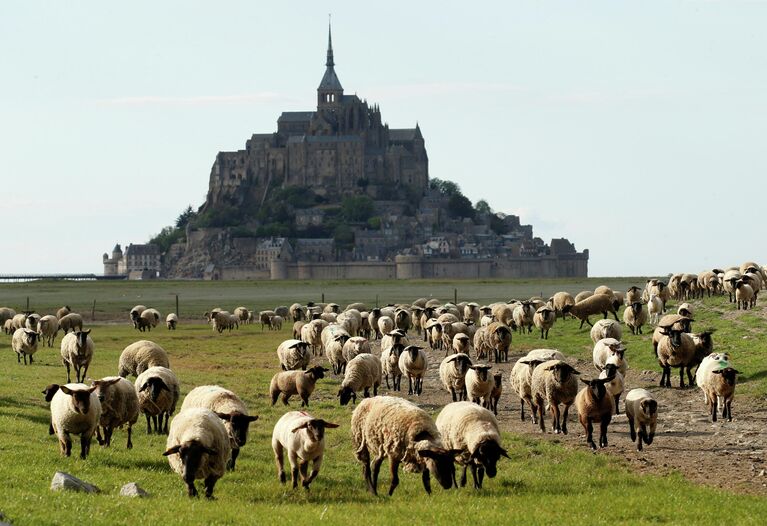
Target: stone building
{"points": [[138, 262]]}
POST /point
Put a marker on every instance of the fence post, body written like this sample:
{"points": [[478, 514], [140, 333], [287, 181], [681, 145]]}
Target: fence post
{"points": [[376, 301], [455, 296], [93, 311], [177, 314], [323, 297], [27, 304]]}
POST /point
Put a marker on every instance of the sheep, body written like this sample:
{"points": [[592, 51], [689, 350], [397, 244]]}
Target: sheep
{"points": [[642, 414], [606, 329], [461, 343], [544, 319], [223, 320], [654, 308], [71, 322], [604, 289], [77, 352], [75, 409], [311, 334], [329, 317], [608, 348], [385, 325], [633, 295], [721, 385], [8, 327], [158, 392], [362, 373], [558, 302], [495, 394], [301, 383], [152, 316], [471, 313], [135, 312], [521, 376], [615, 386], [6, 313], [744, 294], [20, 320], [293, 355], [355, 346], [297, 326], [670, 320], [265, 318], [243, 314], [373, 318], [140, 356], [282, 311], [523, 316], [275, 323], [390, 365], [143, 324], [434, 332], [403, 320], [709, 281], [334, 350], [598, 303], [24, 343], [119, 406], [712, 361], [685, 309], [32, 321], [593, 405], [351, 321], [48, 327], [479, 384], [635, 316], [413, 363], [498, 338], [553, 383], [297, 312], [171, 320], [676, 348], [229, 408], [582, 295], [729, 280], [302, 437], [392, 427], [198, 448], [452, 374], [474, 431]]}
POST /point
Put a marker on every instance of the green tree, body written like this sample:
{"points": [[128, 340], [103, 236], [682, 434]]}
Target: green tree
{"points": [[357, 209], [483, 207], [185, 217], [459, 206], [448, 188]]}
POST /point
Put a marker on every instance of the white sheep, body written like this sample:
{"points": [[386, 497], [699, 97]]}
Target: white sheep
{"points": [[719, 360], [171, 321], [642, 414], [276, 323], [363, 372], [413, 363], [158, 392], [615, 385], [452, 374], [302, 437], [140, 356], [48, 327], [293, 355], [544, 319], [354, 346], [32, 322], [198, 448], [24, 343], [385, 325], [607, 348], [76, 353], [479, 384], [635, 316], [606, 329], [654, 308], [334, 346], [387, 426], [119, 406], [71, 322], [390, 365], [230, 408], [474, 430], [75, 409]]}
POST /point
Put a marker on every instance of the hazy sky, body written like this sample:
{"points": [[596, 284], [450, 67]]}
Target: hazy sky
{"points": [[635, 129]]}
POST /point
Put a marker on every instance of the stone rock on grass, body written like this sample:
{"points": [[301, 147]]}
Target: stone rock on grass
{"points": [[64, 481], [132, 489], [3, 521]]}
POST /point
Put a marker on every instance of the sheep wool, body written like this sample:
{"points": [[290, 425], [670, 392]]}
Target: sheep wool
{"points": [[140, 356], [75, 409]]}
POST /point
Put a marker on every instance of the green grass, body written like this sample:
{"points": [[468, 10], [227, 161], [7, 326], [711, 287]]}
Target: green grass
{"points": [[543, 483]]}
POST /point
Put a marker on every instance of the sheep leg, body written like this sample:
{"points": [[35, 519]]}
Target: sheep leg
{"points": [[713, 406], [230, 464], [589, 432], [463, 475], [681, 377], [728, 408], [278, 460], [154, 422], [148, 425], [426, 479], [376, 470], [108, 435], [632, 432], [294, 475], [394, 469], [315, 471], [167, 417], [409, 384], [617, 404], [522, 409], [452, 393], [689, 376], [285, 398], [477, 483], [85, 445], [540, 418], [375, 390], [305, 400], [210, 482], [31, 359], [130, 435], [481, 472], [564, 419], [66, 445], [387, 384], [555, 414], [603, 430], [98, 435], [69, 378]]}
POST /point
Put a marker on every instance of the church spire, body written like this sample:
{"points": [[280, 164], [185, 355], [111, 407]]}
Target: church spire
{"points": [[330, 91], [329, 63]]}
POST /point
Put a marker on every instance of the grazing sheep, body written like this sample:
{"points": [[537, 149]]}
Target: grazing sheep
{"points": [[140, 356], [593, 405], [615, 386], [474, 431], [642, 414], [452, 374], [390, 365], [158, 393], [362, 373], [152, 316], [413, 363], [596, 304], [301, 383], [293, 355], [229, 408], [355, 346], [392, 427], [171, 320], [553, 383], [77, 352], [135, 312], [71, 322], [720, 384], [606, 329], [302, 437], [6, 313], [24, 343], [75, 409], [610, 348], [48, 327], [558, 302], [495, 394], [635, 316], [119, 406], [544, 319], [198, 448], [479, 384]]}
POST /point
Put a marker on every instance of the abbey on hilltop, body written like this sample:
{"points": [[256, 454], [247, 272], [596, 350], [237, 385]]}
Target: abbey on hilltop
{"points": [[335, 193]]}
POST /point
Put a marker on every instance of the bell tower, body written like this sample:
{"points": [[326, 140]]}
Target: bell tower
{"points": [[330, 92]]}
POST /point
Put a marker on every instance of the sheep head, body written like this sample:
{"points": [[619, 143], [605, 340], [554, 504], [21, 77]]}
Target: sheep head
{"points": [[155, 385], [728, 374], [81, 398], [49, 391], [102, 386], [597, 387], [191, 453], [487, 454], [315, 428], [440, 463]]}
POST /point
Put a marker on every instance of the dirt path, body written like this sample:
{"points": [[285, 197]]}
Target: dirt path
{"points": [[725, 454]]}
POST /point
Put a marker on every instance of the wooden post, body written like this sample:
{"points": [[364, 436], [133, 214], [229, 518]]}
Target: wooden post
{"points": [[455, 296], [27, 304], [376, 301], [177, 305], [93, 311], [323, 297]]}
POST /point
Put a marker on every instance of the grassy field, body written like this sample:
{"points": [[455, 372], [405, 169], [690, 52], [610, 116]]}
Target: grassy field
{"points": [[543, 483]]}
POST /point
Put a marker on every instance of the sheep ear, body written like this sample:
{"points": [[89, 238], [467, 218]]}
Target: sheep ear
{"points": [[585, 381], [210, 451], [252, 418], [330, 424], [107, 383], [66, 390], [224, 416], [717, 371], [302, 426], [504, 453], [87, 332], [172, 451], [452, 358], [144, 387]]}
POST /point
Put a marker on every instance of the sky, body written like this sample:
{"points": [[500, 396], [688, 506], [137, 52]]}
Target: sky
{"points": [[635, 129]]}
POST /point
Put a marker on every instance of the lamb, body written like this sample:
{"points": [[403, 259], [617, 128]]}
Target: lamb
{"points": [[553, 383], [474, 431], [71, 322], [452, 374], [390, 365], [606, 329], [594, 405], [495, 394], [654, 308], [140, 356], [119, 406], [355, 346], [158, 392], [362, 373], [413, 363], [615, 386], [544, 319], [171, 320], [48, 327], [198, 448], [744, 294], [301, 383], [24, 343], [229, 408], [720, 384], [392, 427], [293, 355], [479, 384], [302, 437], [598, 303], [635, 316], [75, 409], [606, 349], [719, 360], [642, 413]]}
